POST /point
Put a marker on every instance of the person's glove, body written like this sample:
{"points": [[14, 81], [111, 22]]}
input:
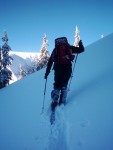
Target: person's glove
{"points": [[81, 45]]}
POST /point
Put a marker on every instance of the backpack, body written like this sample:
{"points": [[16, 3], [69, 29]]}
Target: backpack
{"points": [[62, 54]]}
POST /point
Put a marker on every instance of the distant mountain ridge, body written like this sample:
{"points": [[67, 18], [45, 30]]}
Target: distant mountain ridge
{"points": [[23, 59]]}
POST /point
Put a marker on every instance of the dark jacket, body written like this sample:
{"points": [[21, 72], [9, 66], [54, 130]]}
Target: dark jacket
{"points": [[74, 49]]}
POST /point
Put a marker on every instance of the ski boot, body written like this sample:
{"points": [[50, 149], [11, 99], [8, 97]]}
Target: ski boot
{"points": [[55, 97]]}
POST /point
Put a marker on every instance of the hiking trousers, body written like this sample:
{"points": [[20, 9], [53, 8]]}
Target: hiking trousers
{"points": [[62, 74]]}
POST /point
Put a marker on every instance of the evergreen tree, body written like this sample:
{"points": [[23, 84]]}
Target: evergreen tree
{"points": [[22, 72], [44, 56], [77, 37], [34, 63], [0, 67], [5, 62], [0, 58]]}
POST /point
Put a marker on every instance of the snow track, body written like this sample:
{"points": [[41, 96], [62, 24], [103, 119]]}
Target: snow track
{"points": [[58, 137]]}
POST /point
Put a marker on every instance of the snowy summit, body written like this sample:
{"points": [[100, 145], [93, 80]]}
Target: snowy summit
{"points": [[22, 60]]}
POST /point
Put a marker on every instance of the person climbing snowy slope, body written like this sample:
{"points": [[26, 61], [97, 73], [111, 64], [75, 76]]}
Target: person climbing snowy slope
{"points": [[61, 58]]}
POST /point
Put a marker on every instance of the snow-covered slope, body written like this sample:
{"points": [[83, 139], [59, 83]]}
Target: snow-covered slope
{"points": [[25, 59], [85, 123]]}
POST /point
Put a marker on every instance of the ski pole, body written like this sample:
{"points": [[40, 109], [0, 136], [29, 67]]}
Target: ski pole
{"points": [[44, 97], [72, 72]]}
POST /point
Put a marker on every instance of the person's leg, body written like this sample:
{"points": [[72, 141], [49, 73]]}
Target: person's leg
{"points": [[55, 98], [65, 78], [58, 74], [63, 96]]}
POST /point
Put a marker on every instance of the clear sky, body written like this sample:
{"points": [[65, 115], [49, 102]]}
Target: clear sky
{"points": [[26, 21]]}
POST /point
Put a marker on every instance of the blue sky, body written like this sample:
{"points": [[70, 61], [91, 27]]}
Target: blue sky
{"points": [[26, 21]]}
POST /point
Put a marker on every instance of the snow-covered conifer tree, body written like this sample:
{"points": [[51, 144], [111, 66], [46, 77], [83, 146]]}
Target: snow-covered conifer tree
{"points": [[0, 58], [35, 63], [0, 67], [5, 62], [77, 37], [44, 56], [22, 72]]}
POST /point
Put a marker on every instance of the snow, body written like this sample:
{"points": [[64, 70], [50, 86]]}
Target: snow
{"points": [[25, 55], [25, 59], [85, 123]]}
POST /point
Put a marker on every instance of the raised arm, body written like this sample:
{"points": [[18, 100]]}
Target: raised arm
{"points": [[79, 49]]}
